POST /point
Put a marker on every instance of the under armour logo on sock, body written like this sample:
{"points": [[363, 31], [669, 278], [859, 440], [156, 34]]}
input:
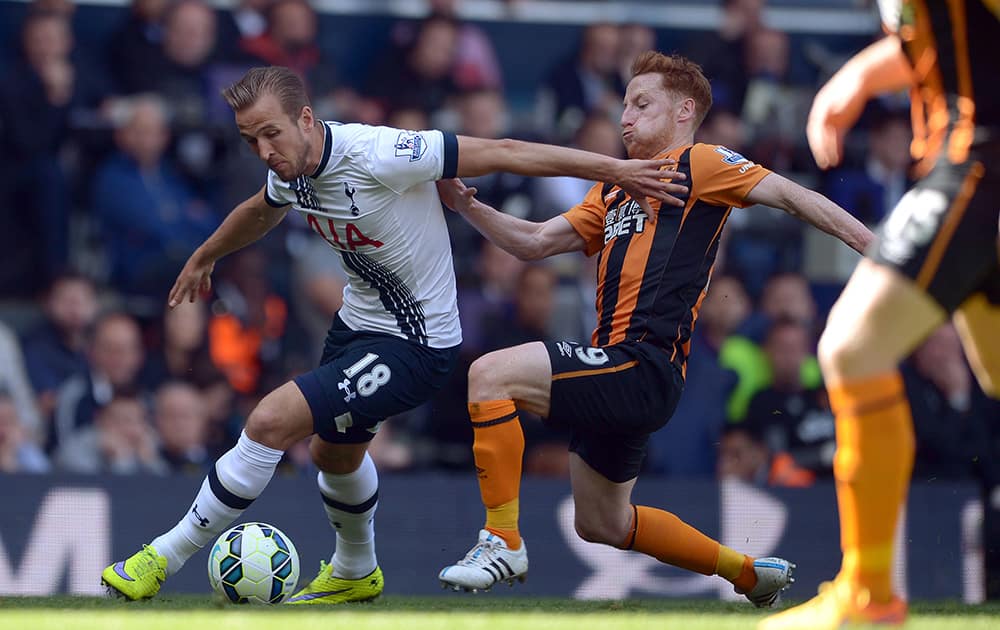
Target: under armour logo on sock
{"points": [[201, 519], [346, 386], [480, 472]]}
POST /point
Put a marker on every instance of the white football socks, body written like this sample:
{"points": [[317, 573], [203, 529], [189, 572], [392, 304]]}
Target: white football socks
{"points": [[350, 501], [237, 478]]}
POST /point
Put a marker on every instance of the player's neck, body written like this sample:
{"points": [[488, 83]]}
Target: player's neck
{"points": [[676, 143], [317, 139]]}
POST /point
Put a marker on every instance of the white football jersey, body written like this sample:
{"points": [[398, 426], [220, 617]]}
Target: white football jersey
{"points": [[373, 199]]}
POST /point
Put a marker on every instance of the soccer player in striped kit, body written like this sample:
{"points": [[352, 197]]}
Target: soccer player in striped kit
{"points": [[369, 192]]}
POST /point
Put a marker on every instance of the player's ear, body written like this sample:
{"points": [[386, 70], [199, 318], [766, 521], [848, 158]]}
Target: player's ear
{"points": [[306, 119], [688, 110]]}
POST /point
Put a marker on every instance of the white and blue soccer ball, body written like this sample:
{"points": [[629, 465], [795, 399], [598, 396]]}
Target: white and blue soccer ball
{"points": [[253, 563]]}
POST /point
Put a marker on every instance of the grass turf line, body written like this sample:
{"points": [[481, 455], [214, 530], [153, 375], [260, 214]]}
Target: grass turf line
{"points": [[426, 613]]}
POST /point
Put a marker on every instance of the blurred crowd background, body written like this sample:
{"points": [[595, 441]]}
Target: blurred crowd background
{"points": [[120, 158]]}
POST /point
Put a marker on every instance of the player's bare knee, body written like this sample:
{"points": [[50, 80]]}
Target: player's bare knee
{"points": [[838, 355], [333, 459], [268, 426], [485, 378], [597, 529]]}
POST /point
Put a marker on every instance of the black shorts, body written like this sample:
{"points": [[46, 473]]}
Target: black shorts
{"points": [[943, 233], [364, 377], [611, 399]]}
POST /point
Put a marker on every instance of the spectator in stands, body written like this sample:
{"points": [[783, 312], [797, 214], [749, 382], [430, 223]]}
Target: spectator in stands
{"points": [[182, 355], [870, 191], [786, 296], [476, 66], [744, 456], [942, 399], [115, 356], [419, 74], [245, 20], [290, 40], [721, 53], [187, 73], [488, 296], [178, 70], [531, 312], [181, 349], [120, 441], [585, 83], [724, 128], [37, 95], [686, 447], [774, 109], [18, 451], [16, 386], [250, 17], [248, 324], [150, 217], [57, 349], [791, 417], [408, 118], [182, 422], [137, 44], [634, 38]]}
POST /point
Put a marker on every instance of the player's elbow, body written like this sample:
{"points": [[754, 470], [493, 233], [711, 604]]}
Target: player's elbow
{"points": [[530, 253]]}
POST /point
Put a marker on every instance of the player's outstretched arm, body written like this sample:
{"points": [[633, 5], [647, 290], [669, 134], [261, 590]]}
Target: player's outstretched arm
{"points": [[638, 178], [247, 222], [813, 208], [527, 240], [881, 67]]}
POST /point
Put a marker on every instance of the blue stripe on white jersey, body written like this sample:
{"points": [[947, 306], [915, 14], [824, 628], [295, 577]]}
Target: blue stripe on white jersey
{"points": [[395, 296]]}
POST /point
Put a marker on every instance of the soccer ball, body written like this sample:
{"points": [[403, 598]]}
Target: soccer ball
{"points": [[253, 563]]}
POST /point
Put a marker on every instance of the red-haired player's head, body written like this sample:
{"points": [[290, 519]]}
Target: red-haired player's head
{"points": [[665, 102]]}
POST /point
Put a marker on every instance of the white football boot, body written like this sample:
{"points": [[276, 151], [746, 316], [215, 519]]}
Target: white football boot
{"points": [[488, 562], [774, 575]]}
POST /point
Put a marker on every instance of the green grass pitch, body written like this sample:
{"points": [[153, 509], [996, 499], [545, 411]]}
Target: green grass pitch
{"points": [[449, 612]]}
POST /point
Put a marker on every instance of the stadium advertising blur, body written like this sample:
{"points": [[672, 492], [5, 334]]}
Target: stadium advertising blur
{"points": [[57, 534]]}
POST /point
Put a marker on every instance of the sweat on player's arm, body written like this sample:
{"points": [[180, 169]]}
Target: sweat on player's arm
{"points": [[248, 222], [639, 178], [813, 208]]}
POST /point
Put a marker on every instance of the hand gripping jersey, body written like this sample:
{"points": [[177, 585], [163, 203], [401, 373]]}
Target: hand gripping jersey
{"points": [[373, 199], [652, 277]]}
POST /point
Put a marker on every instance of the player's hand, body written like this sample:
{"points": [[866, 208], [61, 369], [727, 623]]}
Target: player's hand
{"points": [[456, 195], [834, 111], [644, 179], [195, 278]]}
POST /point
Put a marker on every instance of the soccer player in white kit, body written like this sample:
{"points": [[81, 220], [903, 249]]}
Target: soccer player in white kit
{"points": [[370, 193]]}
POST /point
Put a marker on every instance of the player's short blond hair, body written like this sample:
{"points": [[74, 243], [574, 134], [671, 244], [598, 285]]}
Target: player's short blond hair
{"points": [[680, 75], [277, 81]]}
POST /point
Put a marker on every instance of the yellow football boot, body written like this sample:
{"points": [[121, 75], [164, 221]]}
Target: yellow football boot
{"points": [[327, 589], [138, 577]]}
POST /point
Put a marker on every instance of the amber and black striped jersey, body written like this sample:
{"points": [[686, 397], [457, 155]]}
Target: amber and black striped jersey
{"points": [[952, 46], [652, 277]]}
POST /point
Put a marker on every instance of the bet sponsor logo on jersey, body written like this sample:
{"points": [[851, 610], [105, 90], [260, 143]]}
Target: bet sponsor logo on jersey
{"points": [[626, 219]]}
